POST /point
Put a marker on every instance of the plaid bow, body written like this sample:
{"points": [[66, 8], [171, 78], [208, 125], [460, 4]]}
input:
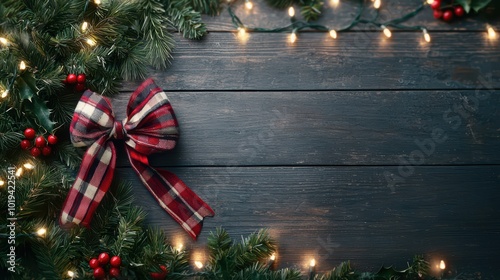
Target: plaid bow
{"points": [[150, 127]]}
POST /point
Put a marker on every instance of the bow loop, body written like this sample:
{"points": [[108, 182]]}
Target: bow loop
{"points": [[150, 127], [92, 120]]}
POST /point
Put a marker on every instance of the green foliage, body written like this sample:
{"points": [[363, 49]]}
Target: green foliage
{"points": [[311, 9], [475, 5], [209, 7], [186, 19], [244, 260], [341, 272]]}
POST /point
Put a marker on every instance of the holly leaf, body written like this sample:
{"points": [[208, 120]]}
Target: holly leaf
{"points": [[41, 112], [466, 4], [479, 4], [27, 86]]}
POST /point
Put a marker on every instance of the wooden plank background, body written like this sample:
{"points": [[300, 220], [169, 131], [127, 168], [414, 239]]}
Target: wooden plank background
{"points": [[360, 148]]}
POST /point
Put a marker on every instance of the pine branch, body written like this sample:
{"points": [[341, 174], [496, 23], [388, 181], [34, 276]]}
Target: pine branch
{"points": [[254, 248], [311, 9], [186, 19], [68, 155], [158, 41], [129, 230], [55, 252], [209, 7], [219, 241], [40, 193], [341, 272]]}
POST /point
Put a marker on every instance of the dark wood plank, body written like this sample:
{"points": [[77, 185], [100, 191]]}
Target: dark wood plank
{"points": [[332, 128], [317, 62], [263, 15], [339, 213]]}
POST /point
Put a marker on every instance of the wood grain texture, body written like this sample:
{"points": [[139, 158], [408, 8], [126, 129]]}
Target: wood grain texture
{"points": [[263, 15], [316, 62], [340, 213], [319, 140], [332, 128]]}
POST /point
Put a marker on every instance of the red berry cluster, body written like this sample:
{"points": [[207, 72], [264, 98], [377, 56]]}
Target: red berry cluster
{"points": [[77, 80], [99, 264], [446, 12], [37, 145], [160, 275]]}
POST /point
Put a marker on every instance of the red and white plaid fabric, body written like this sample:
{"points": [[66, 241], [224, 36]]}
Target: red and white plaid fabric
{"points": [[150, 127]]}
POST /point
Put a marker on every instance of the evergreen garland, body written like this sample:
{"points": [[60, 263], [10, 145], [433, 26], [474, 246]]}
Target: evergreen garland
{"points": [[109, 41], [122, 39]]}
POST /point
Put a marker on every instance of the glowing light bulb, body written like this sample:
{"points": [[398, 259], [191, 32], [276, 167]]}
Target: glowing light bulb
{"points": [[291, 12], [41, 231], [491, 32], [91, 42], [22, 65], [3, 41], [198, 264], [2, 182], [442, 265], [335, 3], [28, 166], [333, 34], [85, 25], [71, 274], [241, 31], [377, 4], [19, 172], [312, 263], [386, 31], [248, 5], [427, 37], [179, 247], [293, 37], [5, 93], [272, 257], [430, 2], [97, 2]]}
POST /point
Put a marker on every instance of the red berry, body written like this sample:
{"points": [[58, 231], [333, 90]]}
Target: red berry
{"points": [[447, 15], [71, 79], [160, 275], [35, 152], [157, 275], [25, 144], [94, 263], [436, 4], [46, 151], [103, 258], [115, 261], [99, 273], [438, 14], [29, 133], [459, 11], [81, 78], [40, 142], [114, 272], [52, 139], [80, 87]]}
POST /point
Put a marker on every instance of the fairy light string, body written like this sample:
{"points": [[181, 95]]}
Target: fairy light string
{"points": [[296, 25]]}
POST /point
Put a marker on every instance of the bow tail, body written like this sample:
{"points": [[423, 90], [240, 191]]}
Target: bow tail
{"points": [[91, 184], [184, 205]]}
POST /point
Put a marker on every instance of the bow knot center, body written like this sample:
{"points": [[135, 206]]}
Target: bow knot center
{"points": [[118, 131]]}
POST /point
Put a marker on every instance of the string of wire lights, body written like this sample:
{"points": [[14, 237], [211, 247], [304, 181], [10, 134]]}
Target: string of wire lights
{"points": [[297, 25]]}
